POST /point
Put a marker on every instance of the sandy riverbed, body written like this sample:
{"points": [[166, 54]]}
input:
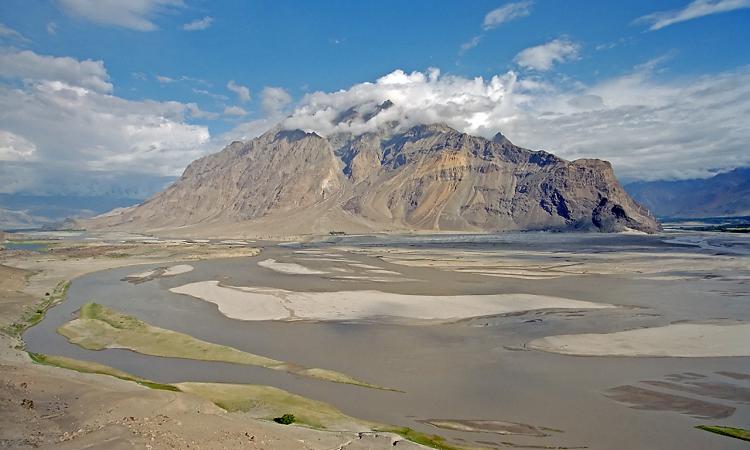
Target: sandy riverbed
{"points": [[684, 340], [250, 303]]}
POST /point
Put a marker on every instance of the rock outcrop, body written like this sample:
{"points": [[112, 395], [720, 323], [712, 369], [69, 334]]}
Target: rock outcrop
{"points": [[430, 177]]}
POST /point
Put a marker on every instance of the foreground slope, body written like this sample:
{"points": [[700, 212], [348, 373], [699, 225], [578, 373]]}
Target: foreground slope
{"points": [[429, 177]]}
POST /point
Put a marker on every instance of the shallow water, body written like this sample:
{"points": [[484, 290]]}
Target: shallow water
{"points": [[471, 370]]}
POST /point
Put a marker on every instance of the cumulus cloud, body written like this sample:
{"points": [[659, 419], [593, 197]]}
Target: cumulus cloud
{"points": [[649, 129], [544, 57], [694, 10], [466, 104], [234, 111], [63, 117], [198, 24], [274, 99], [132, 14], [506, 13], [243, 93], [29, 65]]}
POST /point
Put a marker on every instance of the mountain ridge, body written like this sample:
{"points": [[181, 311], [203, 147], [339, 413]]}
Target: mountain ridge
{"points": [[723, 195], [428, 177]]}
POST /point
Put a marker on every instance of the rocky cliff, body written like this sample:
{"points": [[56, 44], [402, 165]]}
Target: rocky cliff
{"points": [[429, 177]]}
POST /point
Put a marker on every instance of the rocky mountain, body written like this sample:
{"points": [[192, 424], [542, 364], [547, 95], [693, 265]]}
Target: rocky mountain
{"points": [[725, 194], [429, 177]]}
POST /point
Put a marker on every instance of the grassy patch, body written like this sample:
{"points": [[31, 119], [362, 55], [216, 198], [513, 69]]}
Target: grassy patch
{"points": [[35, 313], [92, 367], [737, 433], [267, 402], [429, 440], [99, 327]]}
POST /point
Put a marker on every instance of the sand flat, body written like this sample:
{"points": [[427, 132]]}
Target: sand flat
{"points": [[289, 268], [233, 302], [177, 270], [675, 340], [251, 303]]}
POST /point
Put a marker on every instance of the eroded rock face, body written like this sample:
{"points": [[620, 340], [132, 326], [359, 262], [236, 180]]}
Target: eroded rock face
{"points": [[430, 177]]}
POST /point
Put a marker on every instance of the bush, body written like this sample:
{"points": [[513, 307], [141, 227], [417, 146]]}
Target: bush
{"points": [[286, 419]]}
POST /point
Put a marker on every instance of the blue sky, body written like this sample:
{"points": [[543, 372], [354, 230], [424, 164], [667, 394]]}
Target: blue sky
{"points": [[610, 50]]}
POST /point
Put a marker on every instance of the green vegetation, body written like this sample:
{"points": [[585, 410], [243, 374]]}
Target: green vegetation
{"points": [[286, 419], [737, 433], [263, 402], [35, 313], [92, 367], [99, 327], [429, 440], [267, 402]]}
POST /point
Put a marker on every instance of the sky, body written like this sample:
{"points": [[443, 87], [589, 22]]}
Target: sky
{"points": [[100, 93]]}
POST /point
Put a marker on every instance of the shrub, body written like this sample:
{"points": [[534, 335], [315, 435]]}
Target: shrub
{"points": [[286, 419]]}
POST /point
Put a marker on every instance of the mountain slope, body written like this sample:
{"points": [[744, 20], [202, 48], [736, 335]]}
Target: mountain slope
{"points": [[726, 194], [429, 177]]}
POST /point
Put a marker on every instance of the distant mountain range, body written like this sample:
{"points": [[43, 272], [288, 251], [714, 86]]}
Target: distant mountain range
{"points": [[49, 200], [428, 177], [726, 194], [22, 211]]}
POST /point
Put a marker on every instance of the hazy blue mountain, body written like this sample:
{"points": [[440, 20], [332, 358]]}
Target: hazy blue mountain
{"points": [[44, 204], [726, 194]]}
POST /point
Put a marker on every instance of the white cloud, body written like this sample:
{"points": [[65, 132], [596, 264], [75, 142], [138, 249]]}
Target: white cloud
{"points": [[210, 94], [243, 93], [468, 45], [649, 129], [506, 13], [196, 112], [274, 100], [234, 111], [163, 79], [466, 104], [29, 65], [55, 121], [544, 57], [51, 28], [198, 24], [7, 32], [132, 14], [14, 147], [694, 10]]}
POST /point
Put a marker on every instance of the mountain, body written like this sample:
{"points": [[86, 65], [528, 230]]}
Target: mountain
{"points": [[725, 194], [428, 177], [38, 199]]}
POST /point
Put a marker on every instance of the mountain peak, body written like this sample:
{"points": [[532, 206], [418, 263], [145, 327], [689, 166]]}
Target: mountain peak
{"points": [[428, 177], [500, 138]]}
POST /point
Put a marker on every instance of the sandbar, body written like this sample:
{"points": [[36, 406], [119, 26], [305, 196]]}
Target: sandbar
{"points": [[676, 340], [290, 268], [257, 303]]}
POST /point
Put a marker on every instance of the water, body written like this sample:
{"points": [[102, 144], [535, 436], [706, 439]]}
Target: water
{"points": [[467, 370]]}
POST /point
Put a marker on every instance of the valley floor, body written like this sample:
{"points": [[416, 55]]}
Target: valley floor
{"points": [[43, 406], [470, 341]]}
